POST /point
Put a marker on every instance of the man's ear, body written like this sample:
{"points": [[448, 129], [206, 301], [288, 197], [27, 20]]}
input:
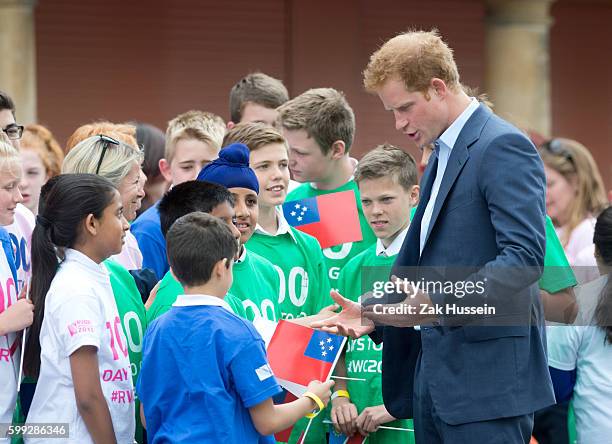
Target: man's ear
{"points": [[230, 125], [439, 87], [338, 149], [164, 169]]}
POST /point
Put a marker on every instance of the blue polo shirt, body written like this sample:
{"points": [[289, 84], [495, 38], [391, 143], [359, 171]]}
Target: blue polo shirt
{"points": [[147, 231], [202, 369]]}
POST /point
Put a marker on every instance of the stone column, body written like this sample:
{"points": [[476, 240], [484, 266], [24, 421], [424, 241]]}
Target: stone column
{"points": [[517, 76], [18, 56]]}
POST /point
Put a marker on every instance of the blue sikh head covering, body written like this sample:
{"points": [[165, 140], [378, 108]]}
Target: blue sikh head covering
{"points": [[231, 169]]}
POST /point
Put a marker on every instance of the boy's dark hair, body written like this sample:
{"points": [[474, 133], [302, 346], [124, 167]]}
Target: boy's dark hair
{"points": [[387, 160], [196, 242], [6, 102], [189, 197], [256, 88]]}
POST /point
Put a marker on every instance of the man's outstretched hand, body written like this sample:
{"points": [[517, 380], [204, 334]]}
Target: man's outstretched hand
{"points": [[348, 322]]}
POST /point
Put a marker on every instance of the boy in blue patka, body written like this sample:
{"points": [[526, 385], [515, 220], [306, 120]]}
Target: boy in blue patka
{"points": [[205, 377]]}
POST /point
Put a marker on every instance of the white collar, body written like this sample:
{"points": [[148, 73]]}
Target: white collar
{"points": [[190, 300], [283, 226], [449, 137], [242, 256], [85, 261], [395, 246]]}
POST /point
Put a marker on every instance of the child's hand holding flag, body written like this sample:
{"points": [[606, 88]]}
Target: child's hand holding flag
{"points": [[299, 355], [344, 416]]}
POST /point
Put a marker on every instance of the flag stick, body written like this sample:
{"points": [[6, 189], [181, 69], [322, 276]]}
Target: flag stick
{"points": [[23, 340], [337, 357], [301, 441], [346, 378], [401, 429]]}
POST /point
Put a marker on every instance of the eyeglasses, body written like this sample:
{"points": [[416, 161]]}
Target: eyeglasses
{"points": [[13, 131], [106, 142], [556, 148]]}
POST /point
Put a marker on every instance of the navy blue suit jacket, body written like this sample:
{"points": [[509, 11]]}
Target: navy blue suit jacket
{"points": [[489, 214]]}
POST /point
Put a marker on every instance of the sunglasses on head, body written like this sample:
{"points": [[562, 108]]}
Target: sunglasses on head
{"points": [[556, 148], [106, 141]]}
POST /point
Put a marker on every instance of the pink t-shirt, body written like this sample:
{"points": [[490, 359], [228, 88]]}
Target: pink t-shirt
{"points": [[130, 257]]}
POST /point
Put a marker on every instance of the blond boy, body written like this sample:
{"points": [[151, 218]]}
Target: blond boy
{"points": [[193, 139], [296, 256]]}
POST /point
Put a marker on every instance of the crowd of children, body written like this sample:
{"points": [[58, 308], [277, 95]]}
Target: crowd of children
{"points": [[151, 326]]}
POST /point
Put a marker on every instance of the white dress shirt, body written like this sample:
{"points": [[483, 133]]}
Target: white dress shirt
{"points": [[394, 248], [445, 143]]}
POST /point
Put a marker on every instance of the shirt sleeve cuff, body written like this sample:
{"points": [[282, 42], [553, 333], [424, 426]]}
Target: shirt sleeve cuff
{"points": [[565, 366], [258, 398], [83, 340]]}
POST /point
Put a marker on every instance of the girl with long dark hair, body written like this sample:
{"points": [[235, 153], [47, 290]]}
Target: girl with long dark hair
{"points": [[76, 347]]}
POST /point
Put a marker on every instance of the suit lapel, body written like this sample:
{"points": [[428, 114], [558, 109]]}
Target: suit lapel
{"points": [[456, 161], [409, 254], [458, 157]]}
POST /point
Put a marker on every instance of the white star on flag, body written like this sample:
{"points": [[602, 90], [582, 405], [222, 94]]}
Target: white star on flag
{"points": [[293, 213], [299, 218], [329, 340], [331, 347], [297, 205], [304, 209], [321, 343], [324, 353]]}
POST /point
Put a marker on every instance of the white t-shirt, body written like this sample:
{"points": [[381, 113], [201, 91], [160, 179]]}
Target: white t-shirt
{"points": [[582, 347], [580, 250], [80, 310], [9, 350], [21, 236]]}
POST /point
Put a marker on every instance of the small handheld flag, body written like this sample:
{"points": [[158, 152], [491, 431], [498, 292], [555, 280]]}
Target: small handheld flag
{"points": [[23, 341], [299, 355], [332, 218]]}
